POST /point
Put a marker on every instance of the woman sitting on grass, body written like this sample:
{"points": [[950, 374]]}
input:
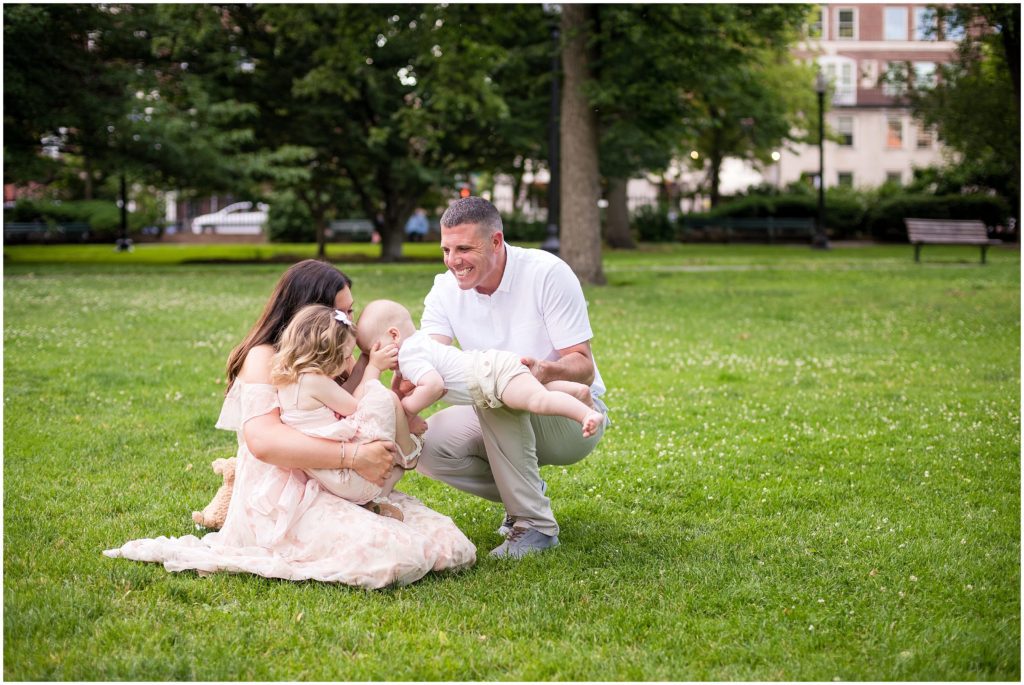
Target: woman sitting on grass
{"points": [[283, 524]]}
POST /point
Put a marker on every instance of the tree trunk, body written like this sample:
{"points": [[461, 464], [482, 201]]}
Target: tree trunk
{"points": [[392, 225], [320, 224], [580, 180], [714, 170], [618, 233], [390, 242], [517, 189], [87, 189]]}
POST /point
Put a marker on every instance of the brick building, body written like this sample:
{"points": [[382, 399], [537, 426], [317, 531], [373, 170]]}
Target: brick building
{"points": [[855, 45]]}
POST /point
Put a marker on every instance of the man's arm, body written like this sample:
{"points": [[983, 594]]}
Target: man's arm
{"points": [[575, 363]]}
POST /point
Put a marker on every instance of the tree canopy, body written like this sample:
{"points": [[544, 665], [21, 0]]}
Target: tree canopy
{"points": [[975, 101]]}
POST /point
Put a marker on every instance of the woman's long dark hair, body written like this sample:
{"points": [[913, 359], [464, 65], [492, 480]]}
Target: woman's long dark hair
{"points": [[308, 282]]}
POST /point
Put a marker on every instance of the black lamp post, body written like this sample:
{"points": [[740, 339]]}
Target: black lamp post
{"points": [[551, 243], [821, 86]]}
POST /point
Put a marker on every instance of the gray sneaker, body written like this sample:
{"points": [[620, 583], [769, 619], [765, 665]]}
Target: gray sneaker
{"points": [[506, 526], [523, 541]]}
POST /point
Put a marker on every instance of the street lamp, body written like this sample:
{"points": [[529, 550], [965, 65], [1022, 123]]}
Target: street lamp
{"points": [[551, 243], [821, 86]]}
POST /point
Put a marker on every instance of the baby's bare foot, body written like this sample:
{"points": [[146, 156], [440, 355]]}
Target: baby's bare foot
{"points": [[591, 422]]}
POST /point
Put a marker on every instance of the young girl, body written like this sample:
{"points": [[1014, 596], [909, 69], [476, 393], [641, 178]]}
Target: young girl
{"points": [[487, 378], [315, 348]]}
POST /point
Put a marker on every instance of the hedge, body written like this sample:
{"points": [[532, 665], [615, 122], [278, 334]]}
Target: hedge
{"points": [[848, 213], [103, 216], [884, 221]]}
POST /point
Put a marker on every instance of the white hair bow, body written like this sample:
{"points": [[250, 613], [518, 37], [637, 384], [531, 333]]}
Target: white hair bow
{"points": [[342, 317]]}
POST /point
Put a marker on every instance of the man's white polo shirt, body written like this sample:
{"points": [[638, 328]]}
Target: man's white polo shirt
{"points": [[537, 309]]}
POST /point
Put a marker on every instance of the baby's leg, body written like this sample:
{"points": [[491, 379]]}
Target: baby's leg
{"points": [[525, 392], [577, 390]]}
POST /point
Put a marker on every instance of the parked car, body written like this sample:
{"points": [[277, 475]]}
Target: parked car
{"points": [[236, 219]]}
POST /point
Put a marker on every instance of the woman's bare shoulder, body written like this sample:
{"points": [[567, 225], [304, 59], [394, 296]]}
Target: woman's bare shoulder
{"points": [[256, 367]]}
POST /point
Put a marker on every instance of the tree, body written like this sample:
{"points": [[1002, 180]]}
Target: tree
{"points": [[654, 101], [522, 77], [975, 102], [85, 84], [750, 111], [370, 104], [580, 180]]}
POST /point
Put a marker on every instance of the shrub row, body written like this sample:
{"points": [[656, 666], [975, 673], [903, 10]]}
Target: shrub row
{"points": [[848, 214], [102, 216]]}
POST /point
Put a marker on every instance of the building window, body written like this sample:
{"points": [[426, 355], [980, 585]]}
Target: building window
{"points": [[844, 127], [925, 24], [841, 73], [894, 177], [894, 133], [925, 136], [846, 24], [846, 179], [954, 26], [924, 74], [869, 73], [894, 81], [895, 23]]}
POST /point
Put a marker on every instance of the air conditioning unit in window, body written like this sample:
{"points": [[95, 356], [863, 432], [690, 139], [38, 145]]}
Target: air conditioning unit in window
{"points": [[869, 73]]}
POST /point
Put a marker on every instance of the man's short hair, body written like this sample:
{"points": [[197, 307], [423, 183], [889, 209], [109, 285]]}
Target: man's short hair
{"points": [[472, 210]]}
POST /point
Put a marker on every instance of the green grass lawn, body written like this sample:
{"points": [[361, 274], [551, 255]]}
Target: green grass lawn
{"points": [[813, 474]]}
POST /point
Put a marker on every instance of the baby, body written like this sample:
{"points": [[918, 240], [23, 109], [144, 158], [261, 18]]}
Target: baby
{"points": [[316, 347], [487, 378]]}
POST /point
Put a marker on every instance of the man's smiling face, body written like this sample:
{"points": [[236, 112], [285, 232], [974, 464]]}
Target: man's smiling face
{"points": [[474, 258]]}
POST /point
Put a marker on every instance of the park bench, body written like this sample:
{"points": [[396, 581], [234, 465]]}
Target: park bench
{"points": [[947, 232], [351, 229], [775, 227], [35, 231]]}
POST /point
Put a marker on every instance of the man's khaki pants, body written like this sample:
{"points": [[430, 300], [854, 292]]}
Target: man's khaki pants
{"points": [[496, 454]]}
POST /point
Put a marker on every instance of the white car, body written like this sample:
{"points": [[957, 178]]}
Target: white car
{"points": [[236, 219]]}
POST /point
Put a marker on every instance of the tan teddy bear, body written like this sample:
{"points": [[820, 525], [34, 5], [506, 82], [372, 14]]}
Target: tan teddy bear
{"points": [[213, 515]]}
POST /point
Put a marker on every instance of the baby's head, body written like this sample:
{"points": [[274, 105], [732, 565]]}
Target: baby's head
{"points": [[385, 322], [318, 338]]}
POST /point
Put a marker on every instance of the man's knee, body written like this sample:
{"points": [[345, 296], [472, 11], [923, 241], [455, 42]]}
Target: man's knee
{"points": [[453, 435]]}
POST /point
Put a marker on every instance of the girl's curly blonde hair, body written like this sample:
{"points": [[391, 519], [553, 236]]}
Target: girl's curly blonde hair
{"points": [[314, 340]]}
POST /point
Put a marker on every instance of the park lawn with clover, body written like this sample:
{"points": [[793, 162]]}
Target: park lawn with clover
{"points": [[813, 474]]}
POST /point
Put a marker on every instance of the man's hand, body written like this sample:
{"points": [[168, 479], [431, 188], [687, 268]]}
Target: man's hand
{"points": [[538, 368], [400, 385], [574, 363], [374, 460]]}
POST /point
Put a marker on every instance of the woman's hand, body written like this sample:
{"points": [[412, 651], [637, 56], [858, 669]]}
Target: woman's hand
{"points": [[374, 460], [385, 357]]}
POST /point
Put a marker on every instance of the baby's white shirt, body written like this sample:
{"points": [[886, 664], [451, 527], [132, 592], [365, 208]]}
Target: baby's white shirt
{"points": [[421, 354]]}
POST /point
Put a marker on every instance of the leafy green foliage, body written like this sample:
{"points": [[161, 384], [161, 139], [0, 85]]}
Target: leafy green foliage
{"points": [[122, 103], [289, 220], [102, 216], [652, 224], [884, 220], [975, 102]]}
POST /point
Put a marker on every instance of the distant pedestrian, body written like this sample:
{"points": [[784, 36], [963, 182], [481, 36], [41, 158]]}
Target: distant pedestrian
{"points": [[416, 226]]}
